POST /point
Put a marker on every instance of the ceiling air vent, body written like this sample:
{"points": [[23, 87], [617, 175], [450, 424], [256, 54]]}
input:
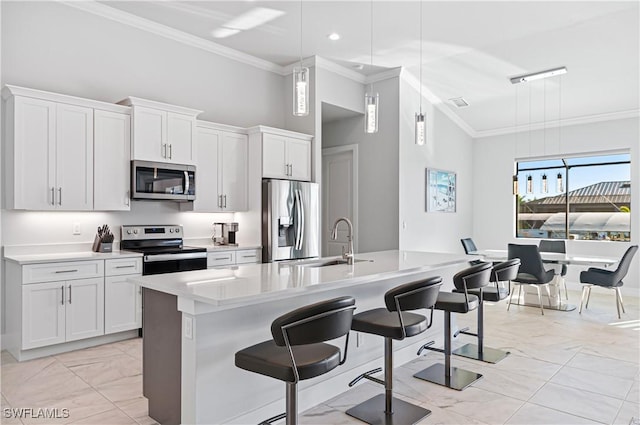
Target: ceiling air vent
{"points": [[459, 102]]}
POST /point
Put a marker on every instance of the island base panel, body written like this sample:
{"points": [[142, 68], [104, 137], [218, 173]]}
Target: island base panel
{"points": [[161, 353]]}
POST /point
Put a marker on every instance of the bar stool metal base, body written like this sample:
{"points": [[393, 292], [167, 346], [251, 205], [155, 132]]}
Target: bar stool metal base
{"points": [[372, 412], [459, 379], [488, 355]]}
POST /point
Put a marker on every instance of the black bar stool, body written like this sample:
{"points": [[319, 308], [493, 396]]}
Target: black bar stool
{"points": [[463, 302], [502, 272], [298, 351], [392, 323]]}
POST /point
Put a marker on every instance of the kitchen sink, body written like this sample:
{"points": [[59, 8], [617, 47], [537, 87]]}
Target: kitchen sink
{"points": [[333, 262]]}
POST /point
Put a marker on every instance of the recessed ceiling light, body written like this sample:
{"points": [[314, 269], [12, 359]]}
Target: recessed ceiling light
{"points": [[358, 66], [334, 36]]}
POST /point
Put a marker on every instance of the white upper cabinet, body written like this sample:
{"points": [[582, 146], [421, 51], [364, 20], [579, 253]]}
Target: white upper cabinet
{"points": [[74, 157], [112, 166], [285, 154], [233, 171], [221, 169], [49, 156], [162, 132]]}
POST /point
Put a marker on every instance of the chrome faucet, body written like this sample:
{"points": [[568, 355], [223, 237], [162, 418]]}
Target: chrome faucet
{"points": [[334, 236]]}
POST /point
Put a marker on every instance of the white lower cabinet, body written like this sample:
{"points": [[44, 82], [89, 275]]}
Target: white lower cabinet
{"points": [[122, 299], [231, 257], [55, 312]]}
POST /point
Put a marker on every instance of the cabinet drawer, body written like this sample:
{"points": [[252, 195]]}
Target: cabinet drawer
{"points": [[123, 266], [71, 270], [248, 256], [215, 259]]}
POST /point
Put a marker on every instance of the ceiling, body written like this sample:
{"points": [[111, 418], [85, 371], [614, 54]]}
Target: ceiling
{"points": [[469, 49]]}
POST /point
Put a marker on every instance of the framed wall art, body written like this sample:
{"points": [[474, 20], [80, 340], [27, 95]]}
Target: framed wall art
{"points": [[440, 191]]}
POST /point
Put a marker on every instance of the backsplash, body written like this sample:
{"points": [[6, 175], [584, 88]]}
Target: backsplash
{"points": [[43, 227]]}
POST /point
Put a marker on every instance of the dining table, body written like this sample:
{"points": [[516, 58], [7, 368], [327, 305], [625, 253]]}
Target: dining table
{"points": [[554, 258]]}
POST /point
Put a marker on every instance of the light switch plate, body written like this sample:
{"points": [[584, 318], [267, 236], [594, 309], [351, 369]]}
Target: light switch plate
{"points": [[188, 327], [77, 230]]}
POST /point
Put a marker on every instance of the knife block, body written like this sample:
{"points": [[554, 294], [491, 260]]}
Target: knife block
{"points": [[99, 246]]}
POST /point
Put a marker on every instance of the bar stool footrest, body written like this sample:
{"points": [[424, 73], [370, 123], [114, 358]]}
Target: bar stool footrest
{"points": [[459, 379], [488, 355], [273, 419], [372, 412]]}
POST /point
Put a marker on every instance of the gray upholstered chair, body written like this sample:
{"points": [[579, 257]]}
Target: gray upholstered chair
{"points": [[396, 321], [501, 272], [470, 248], [610, 279], [298, 349], [558, 246], [531, 272]]}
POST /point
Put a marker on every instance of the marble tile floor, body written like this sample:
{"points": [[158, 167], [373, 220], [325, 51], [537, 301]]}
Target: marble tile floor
{"points": [[99, 385], [565, 368]]}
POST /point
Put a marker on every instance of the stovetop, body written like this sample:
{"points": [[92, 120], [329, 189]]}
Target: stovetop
{"points": [[155, 240]]}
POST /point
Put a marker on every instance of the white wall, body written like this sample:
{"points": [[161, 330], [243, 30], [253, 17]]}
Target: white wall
{"points": [[447, 148], [377, 168], [54, 47], [494, 204]]}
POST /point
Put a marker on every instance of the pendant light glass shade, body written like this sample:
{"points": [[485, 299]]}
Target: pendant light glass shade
{"points": [[300, 91], [371, 112], [559, 184], [420, 128], [544, 186], [515, 184], [529, 184]]}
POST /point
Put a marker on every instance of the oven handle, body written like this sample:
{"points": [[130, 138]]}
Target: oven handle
{"points": [[170, 257], [186, 182]]}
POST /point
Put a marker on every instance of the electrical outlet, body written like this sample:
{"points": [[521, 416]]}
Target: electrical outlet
{"points": [[76, 228], [188, 327]]}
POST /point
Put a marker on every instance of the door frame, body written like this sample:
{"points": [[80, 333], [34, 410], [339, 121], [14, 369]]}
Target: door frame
{"points": [[353, 148]]}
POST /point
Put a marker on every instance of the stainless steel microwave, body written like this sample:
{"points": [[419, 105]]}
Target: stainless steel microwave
{"points": [[161, 180]]}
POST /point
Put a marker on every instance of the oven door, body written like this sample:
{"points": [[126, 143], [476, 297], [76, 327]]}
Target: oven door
{"points": [[156, 180], [170, 263]]}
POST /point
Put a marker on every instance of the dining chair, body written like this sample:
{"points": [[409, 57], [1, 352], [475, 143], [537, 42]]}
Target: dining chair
{"points": [[531, 272], [610, 279], [470, 248], [558, 246]]}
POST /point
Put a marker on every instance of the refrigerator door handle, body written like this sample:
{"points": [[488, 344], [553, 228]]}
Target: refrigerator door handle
{"points": [[298, 207], [302, 224]]}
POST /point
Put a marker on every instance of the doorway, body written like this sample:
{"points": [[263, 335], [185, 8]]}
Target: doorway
{"points": [[339, 196]]}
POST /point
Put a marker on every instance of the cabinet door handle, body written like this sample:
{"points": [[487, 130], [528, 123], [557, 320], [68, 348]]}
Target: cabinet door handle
{"points": [[69, 294], [219, 201], [170, 151], [62, 299], [59, 196], [53, 196], [164, 150], [221, 259], [249, 256], [125, 267], [225, 201], [126, 199], [67, 271]]}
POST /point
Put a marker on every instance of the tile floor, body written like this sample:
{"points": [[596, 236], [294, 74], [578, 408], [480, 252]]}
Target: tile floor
{"points": [[565, 368]]}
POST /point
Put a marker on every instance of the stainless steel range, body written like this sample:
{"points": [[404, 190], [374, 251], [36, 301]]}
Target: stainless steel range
{"points": [[163, 249]]}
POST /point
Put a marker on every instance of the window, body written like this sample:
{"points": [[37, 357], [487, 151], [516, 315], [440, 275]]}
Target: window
{"points": [[587, 198]]}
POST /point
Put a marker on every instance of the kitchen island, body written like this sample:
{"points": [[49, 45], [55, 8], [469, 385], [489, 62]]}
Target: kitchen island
{"points": [[194, 322]]}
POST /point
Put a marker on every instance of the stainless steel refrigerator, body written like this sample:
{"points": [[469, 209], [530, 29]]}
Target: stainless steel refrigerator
{"points": [[290, 220]]}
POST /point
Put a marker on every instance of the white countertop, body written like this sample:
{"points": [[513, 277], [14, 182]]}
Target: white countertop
{"points": [[252, 283], [54, 257], [210, 247]]}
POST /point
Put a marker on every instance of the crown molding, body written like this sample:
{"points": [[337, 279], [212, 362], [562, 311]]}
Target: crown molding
{"points": [[586, 119], [343, 71], [437, 103], [91, 6], [10, 90], [384, 75]]}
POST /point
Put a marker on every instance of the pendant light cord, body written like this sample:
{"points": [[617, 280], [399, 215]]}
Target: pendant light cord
{"points": [[371, 42], [420, 57], [544, 117], [300, 33]]}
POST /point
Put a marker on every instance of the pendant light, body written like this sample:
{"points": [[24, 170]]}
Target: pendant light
{"points": [[371, 101], [544, 186], [515, 184], [300, 83], [420, 123], [529, 184]]}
